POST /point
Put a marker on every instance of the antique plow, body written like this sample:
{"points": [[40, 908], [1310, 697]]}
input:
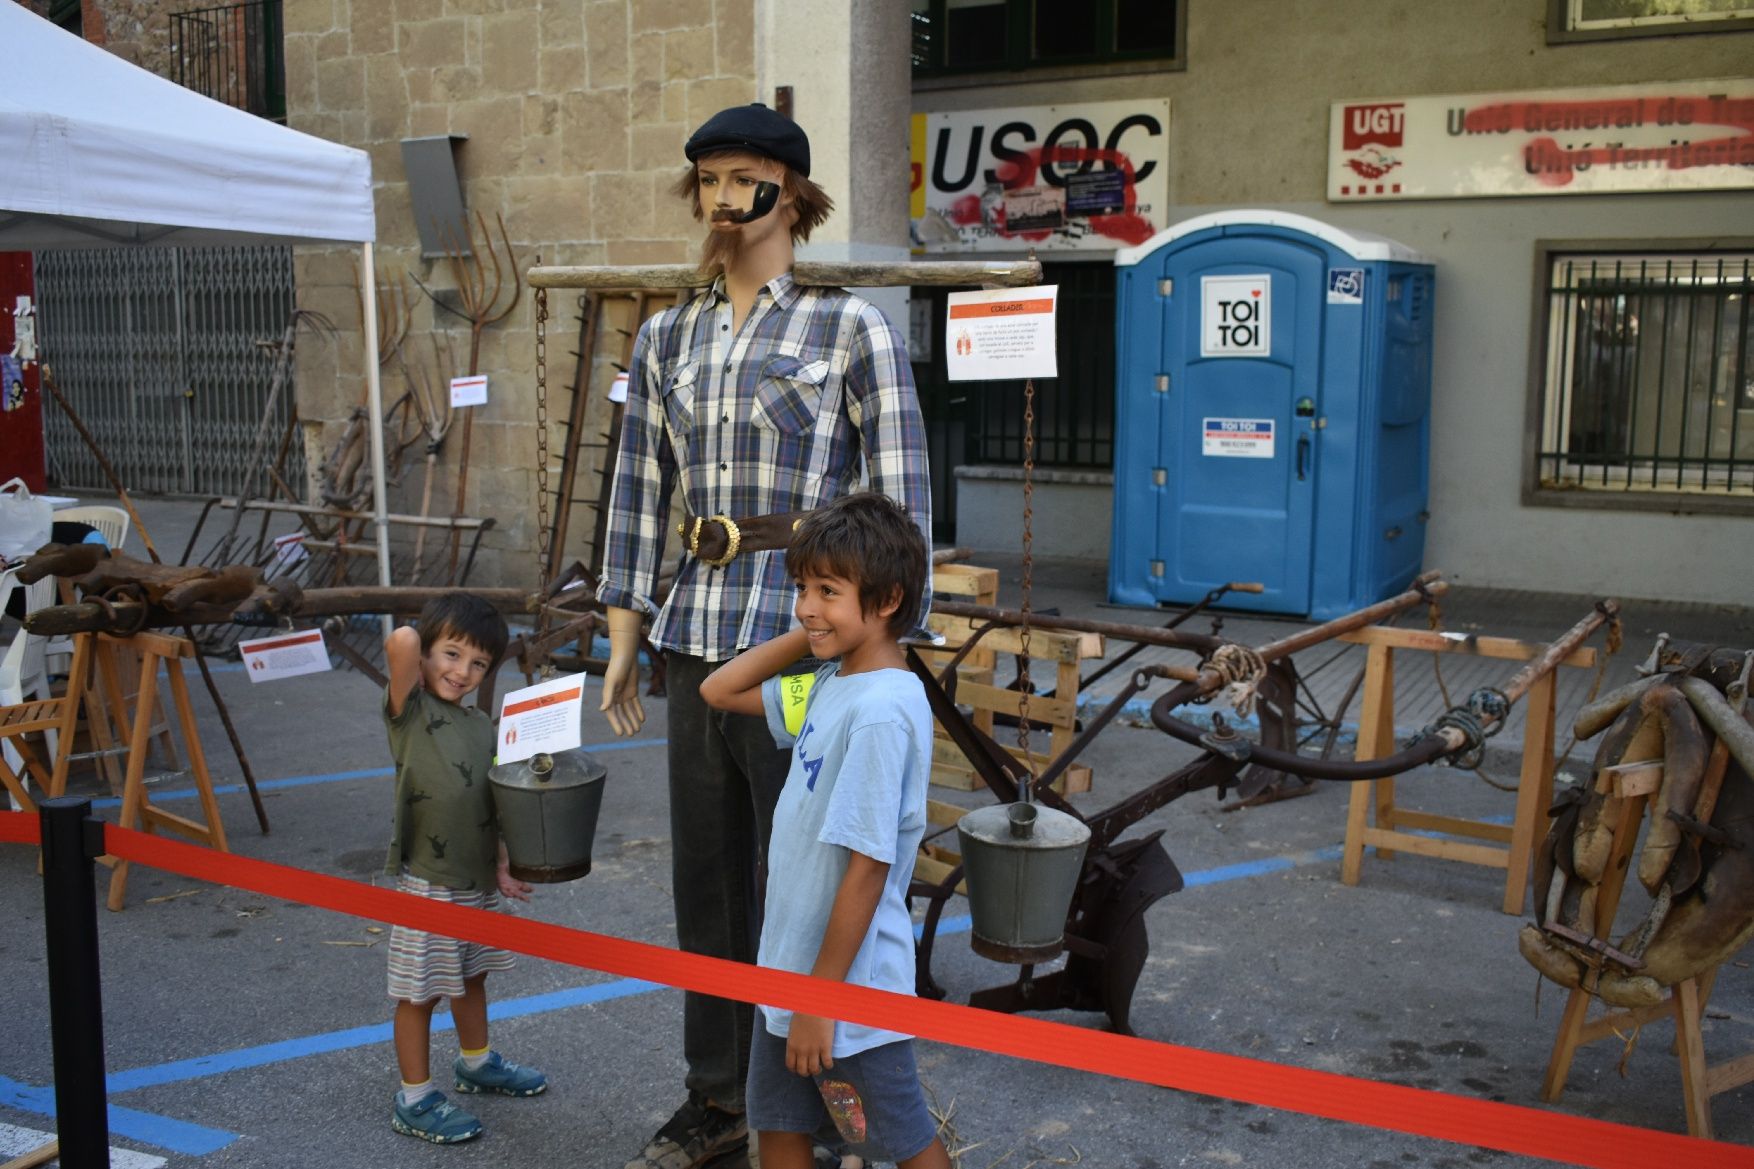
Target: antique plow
{"points": [[1105, 938]]}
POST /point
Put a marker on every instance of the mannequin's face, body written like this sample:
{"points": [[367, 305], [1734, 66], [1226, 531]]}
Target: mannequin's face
{"points": [[727, 188]]}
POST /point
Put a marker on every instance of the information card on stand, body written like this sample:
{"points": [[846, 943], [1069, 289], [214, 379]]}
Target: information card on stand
{"points": [[1001, 333], [285, 655], [541, 718]]}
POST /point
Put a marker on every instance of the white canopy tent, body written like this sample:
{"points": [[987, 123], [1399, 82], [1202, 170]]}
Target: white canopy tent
{"points": [[95, 152]]}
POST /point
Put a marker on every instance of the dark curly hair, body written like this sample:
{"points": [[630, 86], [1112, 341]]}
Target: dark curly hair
{"points": [[869, 539], [465, 617]]}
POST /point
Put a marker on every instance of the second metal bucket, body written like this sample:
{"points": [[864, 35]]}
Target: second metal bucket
{"points": [[1021, 862], [547, 807]]}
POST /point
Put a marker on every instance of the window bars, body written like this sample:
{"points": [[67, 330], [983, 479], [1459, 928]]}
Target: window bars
{"points": [[1648, 383], [233, 53]]}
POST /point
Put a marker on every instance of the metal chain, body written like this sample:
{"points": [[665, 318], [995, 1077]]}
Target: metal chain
{"points": [[1028, 575], [542, 533]]}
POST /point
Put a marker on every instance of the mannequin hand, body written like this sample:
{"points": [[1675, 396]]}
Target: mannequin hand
{"points": [[621, 677]]}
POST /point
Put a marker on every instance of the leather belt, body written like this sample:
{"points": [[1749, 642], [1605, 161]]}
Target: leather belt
{"points": [[717, 540]]}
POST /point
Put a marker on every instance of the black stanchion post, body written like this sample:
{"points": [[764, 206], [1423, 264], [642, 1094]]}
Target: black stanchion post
{"points": [[71, 843]]}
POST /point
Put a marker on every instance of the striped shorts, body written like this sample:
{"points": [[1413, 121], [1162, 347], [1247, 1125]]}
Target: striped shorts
{"points": [[427, 966]]}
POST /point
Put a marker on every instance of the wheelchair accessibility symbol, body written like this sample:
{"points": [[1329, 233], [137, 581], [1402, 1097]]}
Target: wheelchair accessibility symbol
{"points": [[1346, 286]]}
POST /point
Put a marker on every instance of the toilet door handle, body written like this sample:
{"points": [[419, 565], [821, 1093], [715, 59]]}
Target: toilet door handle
{"points": [[1302, 456]]}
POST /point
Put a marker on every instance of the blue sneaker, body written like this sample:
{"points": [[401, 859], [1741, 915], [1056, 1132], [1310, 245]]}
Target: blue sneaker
{"points": [[434, 1118], [501, 1075]]}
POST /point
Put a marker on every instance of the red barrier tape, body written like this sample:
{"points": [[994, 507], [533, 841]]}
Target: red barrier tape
{"points": [[1509, 1127]]}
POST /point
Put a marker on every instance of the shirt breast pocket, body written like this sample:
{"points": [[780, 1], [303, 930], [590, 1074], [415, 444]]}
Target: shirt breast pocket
{"points": [[679, 386], [790, 394]]}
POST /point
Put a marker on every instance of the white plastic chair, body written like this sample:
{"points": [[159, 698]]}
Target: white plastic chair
{"points": [[112, 524], [23, 668]]}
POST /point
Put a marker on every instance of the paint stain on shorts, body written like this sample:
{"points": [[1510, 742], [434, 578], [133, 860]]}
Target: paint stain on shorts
{"points": [[844, 1108]]}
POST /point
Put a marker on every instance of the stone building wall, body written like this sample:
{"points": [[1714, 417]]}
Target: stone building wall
{"points": [[138, 31], [575, 113]]}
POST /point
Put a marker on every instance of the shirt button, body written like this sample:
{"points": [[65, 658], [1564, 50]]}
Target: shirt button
{"points": [[724, 418], [724, 466], [724, 328], [727, 367]]}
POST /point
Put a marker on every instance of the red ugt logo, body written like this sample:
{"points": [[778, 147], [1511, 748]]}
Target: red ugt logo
{"points": [[1381, 124]]}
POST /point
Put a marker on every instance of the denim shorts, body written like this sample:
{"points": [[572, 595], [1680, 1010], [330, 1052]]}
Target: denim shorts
{"points": [[869, 1104]]}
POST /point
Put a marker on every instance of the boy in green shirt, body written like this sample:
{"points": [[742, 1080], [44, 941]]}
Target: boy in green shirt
{"points": [[446, 847]]}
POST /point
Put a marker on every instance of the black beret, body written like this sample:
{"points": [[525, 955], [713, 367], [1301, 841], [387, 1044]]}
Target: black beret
{"points": [[754, 128]]}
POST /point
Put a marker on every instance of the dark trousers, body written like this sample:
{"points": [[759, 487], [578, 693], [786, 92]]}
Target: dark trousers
{"points": [[725, 778]]}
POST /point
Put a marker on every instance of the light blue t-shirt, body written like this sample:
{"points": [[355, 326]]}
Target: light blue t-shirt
{"points": [[860, 761]]}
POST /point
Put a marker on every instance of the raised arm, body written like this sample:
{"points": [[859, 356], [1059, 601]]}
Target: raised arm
{"points": [[402, 656], [736, 685]]}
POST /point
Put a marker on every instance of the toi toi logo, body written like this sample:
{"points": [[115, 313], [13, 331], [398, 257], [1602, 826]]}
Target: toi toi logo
{"points": [[1382, 124]]}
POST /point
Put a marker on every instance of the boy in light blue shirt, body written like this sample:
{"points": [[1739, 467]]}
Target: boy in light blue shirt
{"points": [[845, 833]]}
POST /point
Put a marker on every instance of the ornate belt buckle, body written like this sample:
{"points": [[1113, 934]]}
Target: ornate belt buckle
{"points": [[733, 541], [690, 536]]}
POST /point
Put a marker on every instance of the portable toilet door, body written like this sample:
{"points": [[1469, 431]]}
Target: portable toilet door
{"points": [[1229, 360], [1237, 333]]}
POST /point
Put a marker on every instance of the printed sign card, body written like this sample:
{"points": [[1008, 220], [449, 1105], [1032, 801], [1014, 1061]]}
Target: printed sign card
{"points": [[1237, 438], [1001, 333], [469, 391], [285, 655], [541, 718], [1236, 316]]}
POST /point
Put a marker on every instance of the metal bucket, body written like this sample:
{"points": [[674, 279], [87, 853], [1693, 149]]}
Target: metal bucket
{"points": [[547, 807], [1021, 862]]}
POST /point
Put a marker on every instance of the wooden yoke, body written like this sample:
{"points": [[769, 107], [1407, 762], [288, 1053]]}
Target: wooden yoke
{"points": [[1635, 783]]}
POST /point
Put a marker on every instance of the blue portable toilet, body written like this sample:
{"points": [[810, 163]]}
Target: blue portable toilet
{"points": [[1272, 421]]}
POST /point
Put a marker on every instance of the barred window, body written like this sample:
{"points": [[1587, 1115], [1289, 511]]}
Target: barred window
{"points": [[1586, 20], [1649, 374], [953, 37]]}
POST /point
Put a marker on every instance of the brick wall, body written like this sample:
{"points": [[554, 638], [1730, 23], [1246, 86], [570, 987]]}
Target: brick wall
{"points": [[576, 113]]}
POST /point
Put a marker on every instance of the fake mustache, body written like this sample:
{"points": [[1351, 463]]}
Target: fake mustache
{"points": [[766, 196]]}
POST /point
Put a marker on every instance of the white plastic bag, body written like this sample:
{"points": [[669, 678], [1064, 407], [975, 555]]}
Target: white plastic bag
{"points": [[25, 521]]}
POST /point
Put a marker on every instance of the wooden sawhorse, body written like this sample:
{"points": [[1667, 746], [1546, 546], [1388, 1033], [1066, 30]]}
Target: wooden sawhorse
{"points": [[138, 810], [1510, 847], [1685, 1004]]}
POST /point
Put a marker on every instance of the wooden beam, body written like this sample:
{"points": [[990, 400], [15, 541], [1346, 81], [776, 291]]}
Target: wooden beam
{"points": [[1044, 644], [837, 274], [1507, 648], [465, 523], [402, 601]]}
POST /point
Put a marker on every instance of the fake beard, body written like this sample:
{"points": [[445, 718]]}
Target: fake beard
{"points": [[720, 249]]}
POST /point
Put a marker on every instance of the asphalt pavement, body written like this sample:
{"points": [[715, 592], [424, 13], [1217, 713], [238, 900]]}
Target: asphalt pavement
{"points": [[249, 1031]]}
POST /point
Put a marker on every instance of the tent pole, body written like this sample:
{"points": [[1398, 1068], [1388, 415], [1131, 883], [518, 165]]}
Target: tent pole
{"points": [[368, 280]]}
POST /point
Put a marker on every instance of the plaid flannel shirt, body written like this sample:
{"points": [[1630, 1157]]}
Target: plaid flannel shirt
{"points": [[771, 418]]}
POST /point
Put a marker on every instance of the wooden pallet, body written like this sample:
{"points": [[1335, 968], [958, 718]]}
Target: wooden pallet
{"points": [[976, 692], [938, 852]]}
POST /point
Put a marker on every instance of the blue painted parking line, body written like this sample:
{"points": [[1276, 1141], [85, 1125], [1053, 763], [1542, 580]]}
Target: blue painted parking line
{"points": [[182, 1070], [1272, 864], [271, 785], [164, 1132]]}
